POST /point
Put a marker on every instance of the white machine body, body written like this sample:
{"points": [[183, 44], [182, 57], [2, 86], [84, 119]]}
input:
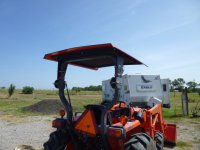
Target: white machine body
{"points": [[140, 90]]}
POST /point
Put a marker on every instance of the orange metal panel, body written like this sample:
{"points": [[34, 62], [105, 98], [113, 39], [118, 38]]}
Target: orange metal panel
{"points": [[86, 123], [129, 125], [82, 48], [154, 121], [155, 109]]}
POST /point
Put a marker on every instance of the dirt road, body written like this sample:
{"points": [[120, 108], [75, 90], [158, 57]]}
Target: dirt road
{"points": [[35, 131]]}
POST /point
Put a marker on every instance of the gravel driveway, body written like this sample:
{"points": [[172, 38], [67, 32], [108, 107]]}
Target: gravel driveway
{"points": [[34, 131]]}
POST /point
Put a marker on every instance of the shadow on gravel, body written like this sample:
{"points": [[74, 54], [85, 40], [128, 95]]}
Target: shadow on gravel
{"points": [[169, 145]]}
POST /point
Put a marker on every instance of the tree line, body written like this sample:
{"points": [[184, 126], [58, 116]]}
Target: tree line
{"points": [[176, 84], [88, 88], [179, 84]]}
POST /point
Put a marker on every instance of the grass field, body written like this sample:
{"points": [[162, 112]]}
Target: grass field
{"points": [[175, 111], [14, 105], [11, 109]]}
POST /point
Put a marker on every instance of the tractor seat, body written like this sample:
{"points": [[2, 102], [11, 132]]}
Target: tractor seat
{"points": [[121, 111], [97, 109]]}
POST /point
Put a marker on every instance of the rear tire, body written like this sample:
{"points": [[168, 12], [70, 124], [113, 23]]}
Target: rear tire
{"points": [[57, 140], [159, 140], [140, 141]]}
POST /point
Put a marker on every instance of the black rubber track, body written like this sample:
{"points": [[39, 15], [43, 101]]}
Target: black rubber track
{"points": [[140, 141], [159, 139], [57, 140]]}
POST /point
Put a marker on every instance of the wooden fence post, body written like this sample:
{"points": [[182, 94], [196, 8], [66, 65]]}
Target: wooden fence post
{"points": [[184, 98]]}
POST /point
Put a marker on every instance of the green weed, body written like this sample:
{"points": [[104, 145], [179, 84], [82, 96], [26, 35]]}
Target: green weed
{"points": [[183, 144]]}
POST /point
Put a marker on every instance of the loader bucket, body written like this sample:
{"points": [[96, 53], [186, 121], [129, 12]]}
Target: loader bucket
{"points": [[170, 133]]}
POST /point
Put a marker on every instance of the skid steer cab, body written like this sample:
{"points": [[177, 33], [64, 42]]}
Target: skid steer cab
{"points": [[113, 124]]}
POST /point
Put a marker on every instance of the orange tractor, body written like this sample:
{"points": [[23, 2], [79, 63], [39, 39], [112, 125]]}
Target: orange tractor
{"points": [[111, 125]]}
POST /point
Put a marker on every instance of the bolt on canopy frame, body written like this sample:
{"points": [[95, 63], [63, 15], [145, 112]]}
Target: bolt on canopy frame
{"points": [[91, 57]]}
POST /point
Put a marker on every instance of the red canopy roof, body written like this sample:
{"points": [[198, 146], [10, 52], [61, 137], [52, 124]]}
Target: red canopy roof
{"points": [[93, 56]]}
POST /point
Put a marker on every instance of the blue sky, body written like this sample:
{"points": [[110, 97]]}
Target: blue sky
{"points": [[165, 35]]}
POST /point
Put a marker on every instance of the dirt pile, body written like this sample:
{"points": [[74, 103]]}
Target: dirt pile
{"points": [[47, 107]]}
